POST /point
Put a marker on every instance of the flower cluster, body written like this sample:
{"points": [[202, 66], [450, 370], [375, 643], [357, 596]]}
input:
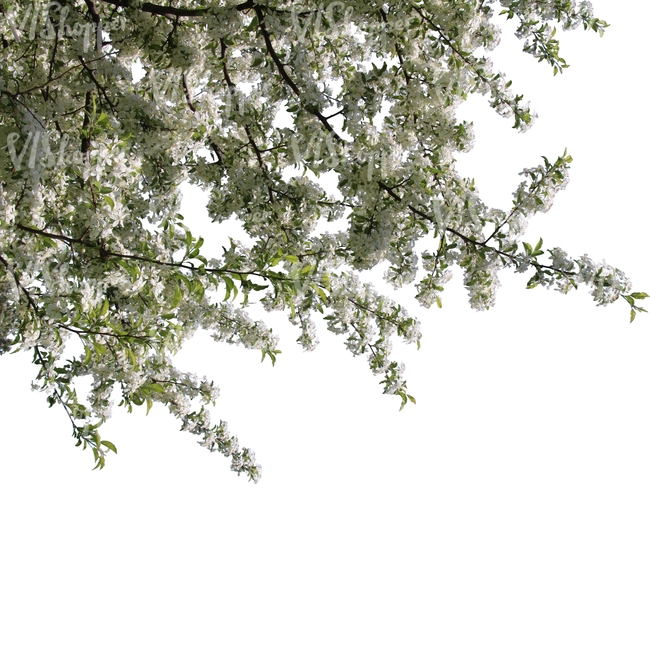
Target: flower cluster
{"points": [[100, 276]]}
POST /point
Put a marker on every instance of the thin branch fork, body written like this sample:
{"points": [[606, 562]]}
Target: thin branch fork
{"points": [[468, 240], [283, 72]]}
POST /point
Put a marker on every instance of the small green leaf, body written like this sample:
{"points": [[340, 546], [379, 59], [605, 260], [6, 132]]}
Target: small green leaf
{"points": [[103, 121], [110, 445], [320, 292], [176, 299], [230, 287]]}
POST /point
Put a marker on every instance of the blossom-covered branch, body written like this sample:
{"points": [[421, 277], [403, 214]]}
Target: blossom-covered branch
{"points": [[108, 106]]}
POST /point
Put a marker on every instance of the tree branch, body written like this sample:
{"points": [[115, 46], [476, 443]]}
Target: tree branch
{"points": [[174, 12], [283, 72]]}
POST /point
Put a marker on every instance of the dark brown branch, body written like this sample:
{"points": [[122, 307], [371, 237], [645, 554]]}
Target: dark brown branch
{"points": [[174, 12], [59, 76], [283, 72], [468, 240], [58, 396], [187, 94], [85, 138], [101, 88], [92, 10], [30, 300], [105, 253], [379, 315], [79, 332], [232, 90], [533, 187], [384, 17], [83, 332]]}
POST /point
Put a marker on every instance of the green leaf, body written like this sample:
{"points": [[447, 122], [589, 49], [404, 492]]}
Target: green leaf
{"points": [[230, 287], [110, 445], [129, 353], [177, 297], [320, 292], [103, 121], [325, 279]]}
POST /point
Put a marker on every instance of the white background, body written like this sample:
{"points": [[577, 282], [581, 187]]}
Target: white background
{"points": [[508, 509]]}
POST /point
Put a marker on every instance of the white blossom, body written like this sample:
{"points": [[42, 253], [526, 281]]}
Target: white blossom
{"points": [[101, 277]]}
